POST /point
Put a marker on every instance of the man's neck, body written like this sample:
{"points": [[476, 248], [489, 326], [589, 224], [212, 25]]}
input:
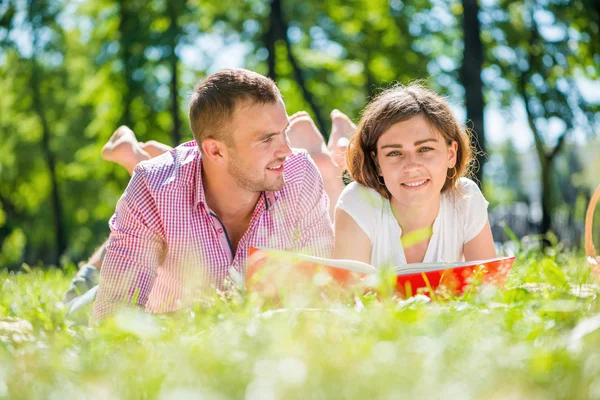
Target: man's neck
{"points": [[415, 218], [226, 199]]}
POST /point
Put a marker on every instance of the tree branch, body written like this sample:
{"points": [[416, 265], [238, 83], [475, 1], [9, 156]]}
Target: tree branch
{"points": [[559, 145], [539, 143]]}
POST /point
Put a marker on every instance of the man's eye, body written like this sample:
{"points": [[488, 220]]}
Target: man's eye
{"points": [[268, 140]]}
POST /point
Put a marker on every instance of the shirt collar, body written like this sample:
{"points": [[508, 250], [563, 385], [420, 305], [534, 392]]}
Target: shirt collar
{"points": [[200, 198]]}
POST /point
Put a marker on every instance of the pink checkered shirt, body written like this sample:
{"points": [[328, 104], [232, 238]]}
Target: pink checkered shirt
{"points": [[167, 247]]}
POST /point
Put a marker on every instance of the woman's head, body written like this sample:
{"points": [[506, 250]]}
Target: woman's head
{"points": [[409, 146]]}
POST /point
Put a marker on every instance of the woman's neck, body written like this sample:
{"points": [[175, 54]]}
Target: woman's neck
{"points": [[412, 219]]}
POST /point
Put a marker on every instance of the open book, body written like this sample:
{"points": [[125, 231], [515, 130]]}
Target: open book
{"points": [[410, 278]]}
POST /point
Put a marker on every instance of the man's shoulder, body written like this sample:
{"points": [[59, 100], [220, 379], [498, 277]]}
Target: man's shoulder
{"points": [[173, 168], [299, 167]]}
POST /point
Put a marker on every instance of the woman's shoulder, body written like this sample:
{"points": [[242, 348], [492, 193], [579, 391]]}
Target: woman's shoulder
{"points": [[464, 190], [467, 198], [467, 186], [357, 195]]}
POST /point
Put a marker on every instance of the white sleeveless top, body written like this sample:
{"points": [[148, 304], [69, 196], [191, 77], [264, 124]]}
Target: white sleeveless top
{"points": [[461, 217]]}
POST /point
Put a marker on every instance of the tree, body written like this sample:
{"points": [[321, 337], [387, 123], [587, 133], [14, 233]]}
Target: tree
{"points": [[278, 31], [39, 103], [542, 71], [470, 76]]}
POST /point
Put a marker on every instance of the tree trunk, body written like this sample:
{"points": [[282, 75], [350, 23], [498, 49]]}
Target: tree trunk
{"points": [[319, 119], [173, 34], [176, 133], [60, 237], [125, 54], [270, 39], [278, 31], [471, 79], [546, 159], [547, 195], [370, 83]]}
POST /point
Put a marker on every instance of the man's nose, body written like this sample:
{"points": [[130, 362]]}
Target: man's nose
{"points": [[284, 149]]}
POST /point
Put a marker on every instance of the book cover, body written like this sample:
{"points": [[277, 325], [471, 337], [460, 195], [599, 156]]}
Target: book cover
{"points": [[410, 279]]}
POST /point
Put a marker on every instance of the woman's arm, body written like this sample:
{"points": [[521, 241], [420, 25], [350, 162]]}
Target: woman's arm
{"points": [[481, 247], [351, 242]]}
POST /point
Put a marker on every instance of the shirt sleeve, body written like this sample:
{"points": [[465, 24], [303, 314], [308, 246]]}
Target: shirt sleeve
{"points": [[135, 248], [314, 231], [359, 202], [476, 209]]}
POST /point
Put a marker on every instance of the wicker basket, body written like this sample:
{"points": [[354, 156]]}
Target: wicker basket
{"points": [[593, 259]]}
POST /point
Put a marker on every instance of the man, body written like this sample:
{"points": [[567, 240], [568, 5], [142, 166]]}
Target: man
{"points": [[188, 217]]}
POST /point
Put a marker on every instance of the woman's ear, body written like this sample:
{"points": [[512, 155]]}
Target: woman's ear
{"points": [[452, 154], [374, 158]]}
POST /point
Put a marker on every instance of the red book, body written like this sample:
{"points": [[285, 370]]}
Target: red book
{"points": [[411, 278]]}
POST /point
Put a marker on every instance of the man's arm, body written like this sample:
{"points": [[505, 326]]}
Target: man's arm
{"points": [[314, 230], [134, 250]]}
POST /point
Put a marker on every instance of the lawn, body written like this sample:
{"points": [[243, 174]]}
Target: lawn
{"points": [[538, 338]]}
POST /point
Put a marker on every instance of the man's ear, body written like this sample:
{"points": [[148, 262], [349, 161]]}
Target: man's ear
{"points": [[374, 158], [214, 150], [452, 152]]}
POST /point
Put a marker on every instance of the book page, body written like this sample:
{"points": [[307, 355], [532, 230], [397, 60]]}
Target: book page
{"points": [[350, 265], [428, 267]]}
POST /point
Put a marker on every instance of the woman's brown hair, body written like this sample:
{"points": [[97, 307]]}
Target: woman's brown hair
{"points": [[397, 104]]}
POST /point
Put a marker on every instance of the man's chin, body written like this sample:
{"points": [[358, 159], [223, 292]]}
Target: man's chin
{"points": [[276, 185]]}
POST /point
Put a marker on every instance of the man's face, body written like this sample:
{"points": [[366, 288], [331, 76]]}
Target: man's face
{"points": [[259, 146]]}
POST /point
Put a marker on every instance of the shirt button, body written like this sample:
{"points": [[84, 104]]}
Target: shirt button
{"points": [[220, 230]]}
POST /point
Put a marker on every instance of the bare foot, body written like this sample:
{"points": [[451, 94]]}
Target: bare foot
{"points": [[342, 128], [304, 134], [123, 148], [154, 148]]}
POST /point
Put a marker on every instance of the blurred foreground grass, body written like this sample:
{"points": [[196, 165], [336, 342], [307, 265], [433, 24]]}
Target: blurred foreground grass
{"points": [[537, 339]]}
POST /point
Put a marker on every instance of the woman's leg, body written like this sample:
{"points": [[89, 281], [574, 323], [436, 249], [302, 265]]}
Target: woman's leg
{"points": [[124, 149], [342, 128]]}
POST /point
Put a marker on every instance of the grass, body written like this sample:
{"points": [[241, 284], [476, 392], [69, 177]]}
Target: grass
{"points": [[536, 339]]}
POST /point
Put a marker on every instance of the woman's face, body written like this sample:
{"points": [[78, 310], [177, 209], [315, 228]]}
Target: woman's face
{"points": [[413, 160]]}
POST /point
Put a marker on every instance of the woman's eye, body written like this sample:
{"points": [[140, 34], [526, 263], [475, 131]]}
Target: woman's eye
{"points": [[425, 149], [393, 153]]}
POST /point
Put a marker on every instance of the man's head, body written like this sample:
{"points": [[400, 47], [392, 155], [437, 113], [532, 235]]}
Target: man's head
{"points": [[240, 123]]}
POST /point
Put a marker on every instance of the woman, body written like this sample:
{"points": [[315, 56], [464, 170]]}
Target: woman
{"points": [[410, 201]]}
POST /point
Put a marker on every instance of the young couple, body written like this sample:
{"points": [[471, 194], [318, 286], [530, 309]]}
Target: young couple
{"points": [[189, 216]]}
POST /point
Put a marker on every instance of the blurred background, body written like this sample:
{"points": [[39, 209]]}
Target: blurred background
{"points": [[522, 74]]}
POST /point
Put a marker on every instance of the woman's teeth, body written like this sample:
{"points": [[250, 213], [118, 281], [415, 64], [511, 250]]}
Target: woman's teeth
{"points": [[415, 184]]}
